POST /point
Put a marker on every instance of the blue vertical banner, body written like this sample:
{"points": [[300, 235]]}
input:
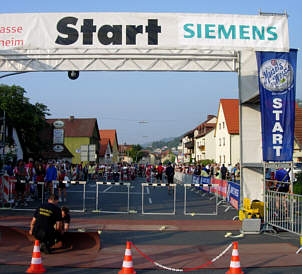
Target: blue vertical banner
{"points": [[277, 87]]}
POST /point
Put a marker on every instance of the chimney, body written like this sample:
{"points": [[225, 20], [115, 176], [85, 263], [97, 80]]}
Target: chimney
{"points": [[71, 118]]}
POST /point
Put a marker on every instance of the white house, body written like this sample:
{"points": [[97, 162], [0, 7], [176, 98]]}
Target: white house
{"points": [[227, 132], [204, 140], [105, 155], [188, 147]]}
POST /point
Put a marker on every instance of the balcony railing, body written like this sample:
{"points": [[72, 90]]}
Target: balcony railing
{"points": [[202, 147], [189, 145]]}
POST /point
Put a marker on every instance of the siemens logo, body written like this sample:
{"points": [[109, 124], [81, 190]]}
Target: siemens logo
{"points": [[231, 32], [70, 31]]}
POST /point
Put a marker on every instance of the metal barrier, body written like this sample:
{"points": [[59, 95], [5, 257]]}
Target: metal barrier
{"points": [[83, 183], [159, 185], [112, 184], [6, 192], [284, 211], [199, 186]]}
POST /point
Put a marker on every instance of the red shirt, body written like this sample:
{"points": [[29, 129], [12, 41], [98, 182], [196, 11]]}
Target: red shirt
{"points": [[160, 169]]}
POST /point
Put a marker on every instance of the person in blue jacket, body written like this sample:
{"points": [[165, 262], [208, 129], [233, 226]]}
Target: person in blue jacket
{"points": [[51, 175]]}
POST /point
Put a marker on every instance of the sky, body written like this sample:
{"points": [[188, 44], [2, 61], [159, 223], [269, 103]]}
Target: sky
{"points": [[171, 103]]}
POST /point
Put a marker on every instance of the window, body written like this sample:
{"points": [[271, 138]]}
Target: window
{"points": [[223, 124], [224, 159], [223, 141], [219, 125]]}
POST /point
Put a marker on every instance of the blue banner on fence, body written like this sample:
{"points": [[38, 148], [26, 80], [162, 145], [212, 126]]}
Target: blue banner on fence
{"points": [[205, 180], [233, 194], [195, 179], [277, 87]]}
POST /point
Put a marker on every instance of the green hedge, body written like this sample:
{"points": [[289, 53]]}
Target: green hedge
{"points": [[298, 188]]}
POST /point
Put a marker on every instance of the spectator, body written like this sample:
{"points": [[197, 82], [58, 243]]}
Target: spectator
{"points": [[20, 186], [282, 176], [217, 172], [9, 169], [223, 171], [204, 172], [40, 175], [170, 175], [160, 170], [62, 186], [31, 174], [197, 170], [50, 176], [91, 171], [237, 173]]}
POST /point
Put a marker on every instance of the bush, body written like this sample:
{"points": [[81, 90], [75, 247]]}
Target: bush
{"points": [[298, 187]]}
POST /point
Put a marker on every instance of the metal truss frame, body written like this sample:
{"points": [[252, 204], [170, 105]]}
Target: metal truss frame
{"points": [[119, 60]]}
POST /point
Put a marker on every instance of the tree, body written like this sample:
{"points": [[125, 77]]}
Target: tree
{"points": [[135, 153], [28, 119]]}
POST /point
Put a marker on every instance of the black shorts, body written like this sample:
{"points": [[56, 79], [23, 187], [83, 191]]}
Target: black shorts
{"points": [[283, 188], [159, 176], [62, 185], [170, 180], [19, 187]]}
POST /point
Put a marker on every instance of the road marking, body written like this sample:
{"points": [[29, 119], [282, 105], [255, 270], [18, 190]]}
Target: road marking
{"points": [[107, 189], [148, 190], [80, 191], [110, 192], [150, 201]]}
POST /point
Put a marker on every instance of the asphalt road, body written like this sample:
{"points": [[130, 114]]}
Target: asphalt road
{"points": [[115, 202], [5, 269]]}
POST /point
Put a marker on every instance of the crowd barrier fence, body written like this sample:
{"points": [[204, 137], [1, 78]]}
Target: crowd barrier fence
{"points": [[227, 191], [173, 186], [283, 210], [98, 210]]}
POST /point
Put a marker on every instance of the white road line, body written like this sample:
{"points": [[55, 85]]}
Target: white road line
{"points": [[150, 201], [107, 189], [110, 192], [148, 190], [80, 191]]}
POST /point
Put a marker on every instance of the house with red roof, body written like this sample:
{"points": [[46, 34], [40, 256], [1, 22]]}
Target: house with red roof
{"points": [[105, 155], [227, 132], [112, 136], [71, 134]]}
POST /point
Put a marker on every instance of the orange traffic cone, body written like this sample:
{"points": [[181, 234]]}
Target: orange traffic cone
{"points": [[235, 262], [127, 263], [36, 261]]}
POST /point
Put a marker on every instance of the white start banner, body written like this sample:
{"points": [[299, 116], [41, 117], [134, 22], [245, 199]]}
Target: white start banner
{"points": [[143, 30]]}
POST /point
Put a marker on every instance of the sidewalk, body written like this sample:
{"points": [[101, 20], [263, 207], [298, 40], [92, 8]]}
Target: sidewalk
{"points": [[172, 243]]}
